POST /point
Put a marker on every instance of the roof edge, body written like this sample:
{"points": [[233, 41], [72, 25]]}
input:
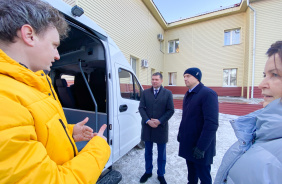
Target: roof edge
{"points": [[155, 12], [198, 18]]}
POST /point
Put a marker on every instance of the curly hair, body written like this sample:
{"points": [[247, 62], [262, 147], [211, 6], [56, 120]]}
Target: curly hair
{"points": [[36, 13]]}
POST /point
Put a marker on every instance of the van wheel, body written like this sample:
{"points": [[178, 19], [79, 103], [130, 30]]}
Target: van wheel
{"points": [[140, 145]]}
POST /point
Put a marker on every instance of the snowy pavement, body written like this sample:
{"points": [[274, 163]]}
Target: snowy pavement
{"points": [[132, 165]]}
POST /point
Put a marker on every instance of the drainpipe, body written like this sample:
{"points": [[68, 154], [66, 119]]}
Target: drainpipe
{"points": [[254, 49]]}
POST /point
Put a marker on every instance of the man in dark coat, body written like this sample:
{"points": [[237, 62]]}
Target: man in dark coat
{"points": [[197, 131], [156, 108]]}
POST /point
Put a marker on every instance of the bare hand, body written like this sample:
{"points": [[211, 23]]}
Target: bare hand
{"points": [[81, 132], [101, 132], [152, 124], [156, 122]]}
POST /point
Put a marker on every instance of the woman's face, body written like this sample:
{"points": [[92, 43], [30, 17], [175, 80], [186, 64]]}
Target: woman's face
{"points": [[271, 85]]}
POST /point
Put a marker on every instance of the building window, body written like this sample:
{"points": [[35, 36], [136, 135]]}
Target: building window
{"points": [[230, 77], [133, 62], [161, 46], [172, 78], [152, 71], [232, 37], [173, 46]]}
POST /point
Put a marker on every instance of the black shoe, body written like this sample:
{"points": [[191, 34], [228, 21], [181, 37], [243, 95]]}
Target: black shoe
{"points": [[162, 180], [145, 177]]}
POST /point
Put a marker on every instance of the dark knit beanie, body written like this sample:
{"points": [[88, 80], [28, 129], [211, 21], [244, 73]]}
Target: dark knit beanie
{"points": [[196, 72]]}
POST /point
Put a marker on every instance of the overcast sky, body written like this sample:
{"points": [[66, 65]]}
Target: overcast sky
{"points": [[173, 10]]}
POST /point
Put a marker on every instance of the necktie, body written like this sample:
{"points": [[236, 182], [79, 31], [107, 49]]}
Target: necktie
{"points": [[156, 93]]}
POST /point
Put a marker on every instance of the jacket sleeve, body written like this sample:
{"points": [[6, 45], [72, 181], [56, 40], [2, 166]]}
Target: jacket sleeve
{"points": [[70, 127], [210, 113], [142, 108], [23, 159], [169, 109]]}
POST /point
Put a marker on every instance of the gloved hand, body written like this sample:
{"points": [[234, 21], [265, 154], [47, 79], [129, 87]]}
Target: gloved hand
{"points": [[198, 154]]}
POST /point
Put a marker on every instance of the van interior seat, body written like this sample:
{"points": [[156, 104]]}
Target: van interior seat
{"points": [[81, 93], [98, 86], [65, 94]]}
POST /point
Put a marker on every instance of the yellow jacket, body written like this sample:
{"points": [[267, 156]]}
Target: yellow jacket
{"points": [[36, 144]]}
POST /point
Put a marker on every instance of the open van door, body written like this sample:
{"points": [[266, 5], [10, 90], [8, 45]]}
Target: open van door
{"points": [[128, 98], [93, 79]]}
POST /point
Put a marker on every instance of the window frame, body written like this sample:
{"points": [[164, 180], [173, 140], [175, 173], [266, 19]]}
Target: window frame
{"points": [[170, 74], [133, 81], [174, 49], [231, 34], [229, 77], [131, 61]]}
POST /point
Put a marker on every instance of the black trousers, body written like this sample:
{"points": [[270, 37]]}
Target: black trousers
{"points": [[198, 171]]}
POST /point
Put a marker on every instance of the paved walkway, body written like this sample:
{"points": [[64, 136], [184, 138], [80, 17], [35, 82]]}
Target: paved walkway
{"points": [[229, 105]]}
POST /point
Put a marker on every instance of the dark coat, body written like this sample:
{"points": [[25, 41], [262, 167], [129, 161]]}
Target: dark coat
{"points": [[199, 124], [161, 108]]}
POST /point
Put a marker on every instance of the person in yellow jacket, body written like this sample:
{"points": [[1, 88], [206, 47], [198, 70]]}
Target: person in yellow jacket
{"points": [[36, 143]]}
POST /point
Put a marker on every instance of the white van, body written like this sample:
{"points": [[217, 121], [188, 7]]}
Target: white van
{"points": [[93, 79]]}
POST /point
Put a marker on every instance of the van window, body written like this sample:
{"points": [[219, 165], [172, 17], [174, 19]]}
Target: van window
{"points": [[129, 86], [69, 79], [137, 89]]}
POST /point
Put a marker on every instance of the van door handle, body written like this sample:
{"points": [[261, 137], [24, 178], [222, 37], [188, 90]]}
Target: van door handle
{"points": [[123, 108]]}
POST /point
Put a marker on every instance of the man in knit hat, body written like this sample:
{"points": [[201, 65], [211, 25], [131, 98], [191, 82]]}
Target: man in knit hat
{"points": [[197, 131]]}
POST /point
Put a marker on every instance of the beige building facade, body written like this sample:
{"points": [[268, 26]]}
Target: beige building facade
{"points": [[220, 43]]}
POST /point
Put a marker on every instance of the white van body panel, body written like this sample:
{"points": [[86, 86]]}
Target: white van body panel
{"points": [[126, 126], [66, 9], [129, 121]]}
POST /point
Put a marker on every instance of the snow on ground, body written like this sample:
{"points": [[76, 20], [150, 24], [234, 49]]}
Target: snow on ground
{"points": [[132, 165]]}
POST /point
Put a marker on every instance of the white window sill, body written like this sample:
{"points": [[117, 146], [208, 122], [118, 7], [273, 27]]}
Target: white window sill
{"points": [[232, 44], [173, 53]]}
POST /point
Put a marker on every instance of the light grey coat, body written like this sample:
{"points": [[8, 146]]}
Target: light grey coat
{"points": [[256, 156]]}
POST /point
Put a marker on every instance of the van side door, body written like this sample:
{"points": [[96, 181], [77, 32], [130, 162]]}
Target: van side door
{"points": [[129, 119]]}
